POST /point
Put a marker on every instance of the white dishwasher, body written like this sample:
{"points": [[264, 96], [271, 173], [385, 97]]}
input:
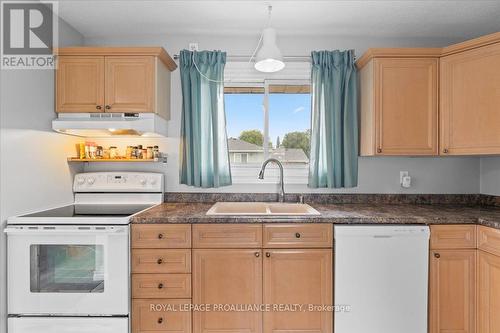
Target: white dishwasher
{"points": [[381, 278]]}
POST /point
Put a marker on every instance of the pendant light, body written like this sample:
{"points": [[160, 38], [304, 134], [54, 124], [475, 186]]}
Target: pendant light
{"points": [[269, 58]]}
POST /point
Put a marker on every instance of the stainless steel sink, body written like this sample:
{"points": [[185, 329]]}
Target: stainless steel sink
{"points": [[261, 208]]}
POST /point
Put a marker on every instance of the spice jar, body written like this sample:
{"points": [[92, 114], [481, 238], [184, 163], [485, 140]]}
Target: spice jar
{"points": [[99, 152], [138, 152], [113, 152], [128, 153], [156, 152], [149, 153]]}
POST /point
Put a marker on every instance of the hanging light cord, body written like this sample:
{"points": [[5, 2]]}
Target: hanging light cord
{"points": [[269, 9]]}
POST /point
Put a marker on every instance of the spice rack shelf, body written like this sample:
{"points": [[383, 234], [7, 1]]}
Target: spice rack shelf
{"points": [[114, 160]]}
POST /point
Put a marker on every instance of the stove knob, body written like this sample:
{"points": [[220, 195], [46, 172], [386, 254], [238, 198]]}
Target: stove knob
{"points": [[80, 181], [152, 181], [142, 181], [90, 180]]}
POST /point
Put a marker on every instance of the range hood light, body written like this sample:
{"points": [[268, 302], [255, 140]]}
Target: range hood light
{"points": [[110, 124]]}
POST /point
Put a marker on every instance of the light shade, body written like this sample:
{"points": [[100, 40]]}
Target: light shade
{"points": [[269, 58]]}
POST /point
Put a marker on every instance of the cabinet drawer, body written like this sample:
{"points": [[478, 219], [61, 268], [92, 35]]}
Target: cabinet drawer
{"points": [[154, 236], [489, 240], [298, 235], [227, 236], [159, 315], [453, 237], [161, 285], [161, 261]]}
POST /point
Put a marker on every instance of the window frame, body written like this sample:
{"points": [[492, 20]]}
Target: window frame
{"points": [[266, 83]]}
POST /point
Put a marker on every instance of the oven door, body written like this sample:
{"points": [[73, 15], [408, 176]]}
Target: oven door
{"points": [[68, 270]]}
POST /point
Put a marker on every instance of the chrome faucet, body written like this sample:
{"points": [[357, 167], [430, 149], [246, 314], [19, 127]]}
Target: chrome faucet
{"points": [[282, 185]]}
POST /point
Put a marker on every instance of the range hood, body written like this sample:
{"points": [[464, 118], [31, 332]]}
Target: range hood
{"points": [[110, 124]]}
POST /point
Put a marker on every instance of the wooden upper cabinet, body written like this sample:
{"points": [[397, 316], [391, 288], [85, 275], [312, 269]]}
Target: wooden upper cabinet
{"points": [[80, 84], [130, 84], [399, 106], [107, 79], [222, 276], [298, 277], [470, 101], [489, 293], [452, 291]]}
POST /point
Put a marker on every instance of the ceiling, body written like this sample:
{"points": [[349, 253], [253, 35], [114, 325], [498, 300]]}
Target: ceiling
{"points": [[445, 18]]}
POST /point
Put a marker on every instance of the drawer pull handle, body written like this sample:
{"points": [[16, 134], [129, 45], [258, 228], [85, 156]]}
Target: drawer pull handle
{"points": [[160, 236], [108, 107], [257, 254], [159, 261], [268, 254], [160, 286], [98, 107], [297, 235], [160, 320], [437, 255]]}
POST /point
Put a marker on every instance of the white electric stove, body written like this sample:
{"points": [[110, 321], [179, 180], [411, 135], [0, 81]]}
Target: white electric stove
{"points": [[68, 267]]}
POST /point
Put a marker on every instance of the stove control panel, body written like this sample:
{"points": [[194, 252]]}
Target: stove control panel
{"points": [[118, 182]]}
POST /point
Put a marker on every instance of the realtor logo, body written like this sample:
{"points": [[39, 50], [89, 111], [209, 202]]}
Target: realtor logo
{"points": [[29, 34]]}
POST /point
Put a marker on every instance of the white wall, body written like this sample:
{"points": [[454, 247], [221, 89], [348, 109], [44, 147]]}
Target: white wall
{"points": [[34, 173], [490, 175], [376, 175]]}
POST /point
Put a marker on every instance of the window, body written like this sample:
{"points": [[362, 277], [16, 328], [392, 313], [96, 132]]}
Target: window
{"points": [[66, 268], [268, 120]]}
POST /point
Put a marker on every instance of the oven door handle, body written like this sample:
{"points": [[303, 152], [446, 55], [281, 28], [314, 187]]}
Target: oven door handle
{"points": [[10, 230]]}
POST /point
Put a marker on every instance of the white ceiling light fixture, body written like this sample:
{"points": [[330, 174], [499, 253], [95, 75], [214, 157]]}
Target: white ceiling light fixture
{"points": [[269, 58]]}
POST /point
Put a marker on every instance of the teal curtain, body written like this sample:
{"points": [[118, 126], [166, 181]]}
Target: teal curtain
{"points": [[204, 154], [334, 120]]}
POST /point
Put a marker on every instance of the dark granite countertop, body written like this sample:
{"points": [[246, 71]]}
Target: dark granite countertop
{"points": [[184, 212]]}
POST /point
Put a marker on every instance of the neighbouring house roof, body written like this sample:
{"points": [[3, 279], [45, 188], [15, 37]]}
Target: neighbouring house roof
{"points": [[240, 146], [289, 155], [285, 155]]}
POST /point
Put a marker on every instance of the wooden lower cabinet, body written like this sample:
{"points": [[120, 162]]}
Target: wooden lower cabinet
{"points": [[298, 276], [161, 316], [227, 276], [452, 286], [489, 293]]}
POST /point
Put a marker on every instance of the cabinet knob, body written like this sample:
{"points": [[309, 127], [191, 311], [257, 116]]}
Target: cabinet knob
{"points": [[257, 254], [159, 261], [160, 286], [437, 255], [445, 150], [160, 236], [160, 320], [108, 107], [379, 150], [268, 254], [98, 107], [297, 235]]}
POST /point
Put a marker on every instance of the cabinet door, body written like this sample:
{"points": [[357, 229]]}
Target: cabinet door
{"points": [[470, 102], [489, 293], [298, 277], [130, 84], [406, 106], [80, 84], [452, 289], [227, 277]]}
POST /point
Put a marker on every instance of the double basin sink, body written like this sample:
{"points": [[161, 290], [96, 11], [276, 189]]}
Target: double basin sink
{"points": [[261, 209]]}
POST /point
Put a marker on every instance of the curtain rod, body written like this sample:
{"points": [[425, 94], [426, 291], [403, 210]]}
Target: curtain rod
{"points": [[247, 57]]}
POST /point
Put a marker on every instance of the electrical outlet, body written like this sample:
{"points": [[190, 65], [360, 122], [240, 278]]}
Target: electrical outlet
{"points": [[403, 174], [404, 179], [193, 46]]}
